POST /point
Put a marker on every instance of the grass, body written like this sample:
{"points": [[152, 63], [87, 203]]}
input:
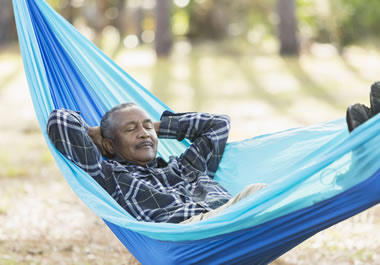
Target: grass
{"points": [[5, 261], [46, 157]]}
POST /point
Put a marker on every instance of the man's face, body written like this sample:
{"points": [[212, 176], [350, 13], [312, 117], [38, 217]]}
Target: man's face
{"points": [[135, 136]]}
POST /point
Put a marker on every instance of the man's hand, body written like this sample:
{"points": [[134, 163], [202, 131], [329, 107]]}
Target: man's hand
{"points": [[157, 126], [96, 136]]}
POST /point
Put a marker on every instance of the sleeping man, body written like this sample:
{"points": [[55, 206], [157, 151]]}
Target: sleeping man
{"points": [[150, 189], [146, 186]]}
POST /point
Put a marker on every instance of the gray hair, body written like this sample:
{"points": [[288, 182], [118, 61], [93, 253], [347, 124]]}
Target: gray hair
{"points": [[107, 125]]}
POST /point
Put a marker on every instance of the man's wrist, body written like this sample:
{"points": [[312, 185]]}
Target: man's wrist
{"points": [[157, 127], [94, 131], [169, 127]]}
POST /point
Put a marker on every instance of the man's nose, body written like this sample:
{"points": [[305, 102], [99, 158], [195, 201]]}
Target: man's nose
{"points": [[143, 133]]}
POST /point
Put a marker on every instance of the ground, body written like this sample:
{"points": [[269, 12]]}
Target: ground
{"points": [[42, 220]]}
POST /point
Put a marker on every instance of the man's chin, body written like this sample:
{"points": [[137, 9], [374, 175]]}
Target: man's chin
{"points": [[143, 162], [147, 158]]}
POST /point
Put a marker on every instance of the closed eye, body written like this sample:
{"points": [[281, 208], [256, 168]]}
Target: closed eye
{"points": [[148, 125]]}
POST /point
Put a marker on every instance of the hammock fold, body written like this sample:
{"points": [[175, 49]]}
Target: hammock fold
{"points": [[317, 175]]}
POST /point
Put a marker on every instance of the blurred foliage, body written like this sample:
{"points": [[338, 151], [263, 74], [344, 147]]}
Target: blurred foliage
{"points": [[360, 19], [339, 22]]}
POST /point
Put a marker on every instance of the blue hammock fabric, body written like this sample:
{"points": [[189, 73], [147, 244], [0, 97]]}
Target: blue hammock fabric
{"points": [[317, 175]]}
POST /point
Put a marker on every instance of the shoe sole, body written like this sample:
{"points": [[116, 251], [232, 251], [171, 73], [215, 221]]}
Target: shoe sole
{"points": [[349, 119], [356, 115], [375, 98]]}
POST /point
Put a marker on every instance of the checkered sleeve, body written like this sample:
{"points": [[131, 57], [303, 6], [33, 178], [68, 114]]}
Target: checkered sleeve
{"points": [[68, 132], [207, 132]]}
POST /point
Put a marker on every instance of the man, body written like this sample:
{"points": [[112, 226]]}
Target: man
{"points": [[146, 186], [181, 190]]}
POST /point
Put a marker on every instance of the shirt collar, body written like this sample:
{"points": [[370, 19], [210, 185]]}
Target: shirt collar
{"points": [[158, 162]]}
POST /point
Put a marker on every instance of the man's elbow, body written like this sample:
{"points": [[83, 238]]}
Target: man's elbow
{"points": [[57, 120], [225, 121], [52, 124]]}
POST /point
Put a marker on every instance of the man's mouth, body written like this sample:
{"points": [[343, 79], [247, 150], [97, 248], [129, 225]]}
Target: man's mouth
{"points": [[144, 144]]}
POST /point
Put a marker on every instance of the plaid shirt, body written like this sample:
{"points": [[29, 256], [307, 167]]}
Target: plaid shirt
{"points": [[161, 191]]}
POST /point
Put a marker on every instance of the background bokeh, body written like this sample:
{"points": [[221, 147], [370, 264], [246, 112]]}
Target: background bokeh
{"points": [[270, 65]]}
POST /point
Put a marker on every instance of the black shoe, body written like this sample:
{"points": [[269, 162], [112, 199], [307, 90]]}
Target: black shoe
{"points": [[374, 98], [357, 114]]}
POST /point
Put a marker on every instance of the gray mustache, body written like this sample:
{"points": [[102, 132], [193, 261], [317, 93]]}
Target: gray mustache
{"points": [[149, 143]]}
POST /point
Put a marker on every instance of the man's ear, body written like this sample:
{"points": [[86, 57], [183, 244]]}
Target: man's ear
{"points": [[108, 146]]}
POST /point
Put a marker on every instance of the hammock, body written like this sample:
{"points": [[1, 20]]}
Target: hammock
{"points": [[317, 175]]}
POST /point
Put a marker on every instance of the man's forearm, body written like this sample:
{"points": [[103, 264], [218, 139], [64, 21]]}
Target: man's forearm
{"points": [[193, 125], [208, 134], [68, 132]]}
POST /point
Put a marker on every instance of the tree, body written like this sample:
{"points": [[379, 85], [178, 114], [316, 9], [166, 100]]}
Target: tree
{"points": [[209, 21], [163, 36], [120, 22], [5, 22], [287, 27], [95, 19], [67, 11]]}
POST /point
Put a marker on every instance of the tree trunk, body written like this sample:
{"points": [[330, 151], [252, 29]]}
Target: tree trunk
{"points": [[93, 13], [68, 12], [120, 22], [217, 20], [287, 27], [5, 21], [139, 21], [163, 38]]}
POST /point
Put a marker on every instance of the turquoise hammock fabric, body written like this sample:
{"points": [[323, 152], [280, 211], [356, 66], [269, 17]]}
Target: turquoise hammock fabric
{"points": [[317, 175]]}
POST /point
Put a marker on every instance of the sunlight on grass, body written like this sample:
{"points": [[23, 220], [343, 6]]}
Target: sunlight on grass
{"points": [[10, 68], [8, 261], [364, 61], [46, 157], [4, 159], [15, 171], [4, 206], [8, 170]]}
